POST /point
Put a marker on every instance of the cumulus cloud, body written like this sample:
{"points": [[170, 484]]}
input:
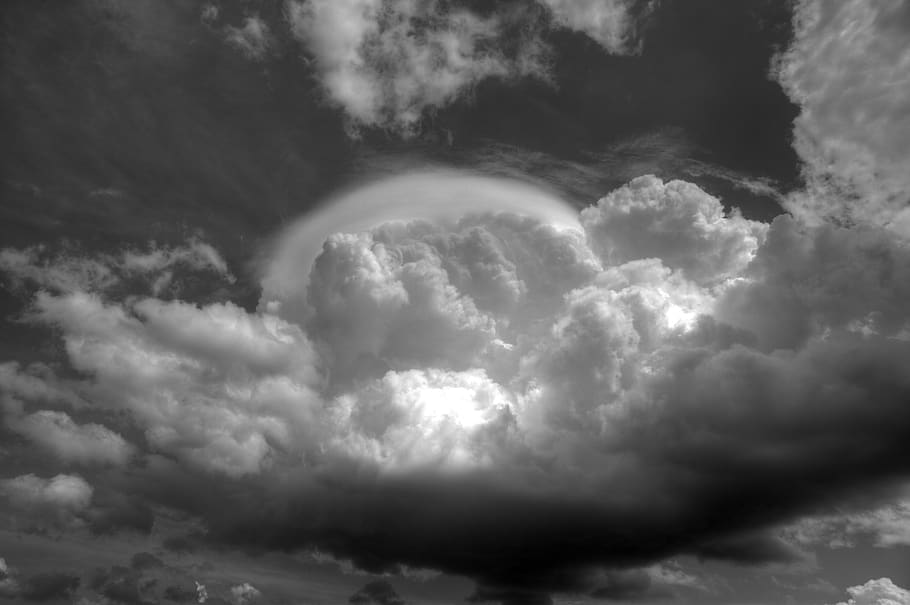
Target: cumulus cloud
{"points": [[210, 386], [676, 222], [877, 592], [625, 395], [847, 70]]}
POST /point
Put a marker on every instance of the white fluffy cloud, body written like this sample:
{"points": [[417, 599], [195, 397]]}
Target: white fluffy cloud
{"points": [[847, 69], [215, 387], [877, 592], [676, 222]]}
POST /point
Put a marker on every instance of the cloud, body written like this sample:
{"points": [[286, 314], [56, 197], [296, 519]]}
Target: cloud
{"points": [[877, 592], [9, 584], [387, 62], [57, 433], [391, 63], [63, 493], [676, 222], [237, 374], [72, 272], [550, 402], [847, 70], [610, 23], [244, 594], [253, 39], [886, 526]]}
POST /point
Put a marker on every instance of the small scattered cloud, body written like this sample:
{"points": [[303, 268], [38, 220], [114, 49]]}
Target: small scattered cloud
{"points": [[245, 594], [253, 38]]}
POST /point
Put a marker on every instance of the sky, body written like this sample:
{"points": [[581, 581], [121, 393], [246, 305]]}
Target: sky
{"points": [[520, 302]]}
